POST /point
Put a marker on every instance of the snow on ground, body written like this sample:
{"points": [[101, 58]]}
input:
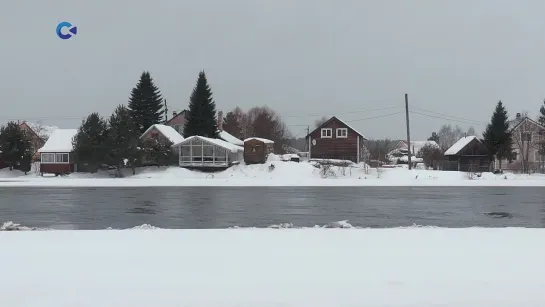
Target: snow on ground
{"points": [[284, 174], [274, 267]]}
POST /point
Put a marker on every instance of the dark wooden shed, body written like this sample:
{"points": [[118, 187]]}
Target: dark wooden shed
{"points": [[469, 154], [256, 150]]}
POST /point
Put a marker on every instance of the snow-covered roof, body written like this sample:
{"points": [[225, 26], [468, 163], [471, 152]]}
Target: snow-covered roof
{"points": [[221, 143], [224, 135], [342, 122], [60, 141], [454, 149], [170, 133], [260, 139]]}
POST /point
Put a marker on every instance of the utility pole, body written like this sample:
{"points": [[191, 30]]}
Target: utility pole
{"points": [[166, 111], [408, 130], [307, 145]]}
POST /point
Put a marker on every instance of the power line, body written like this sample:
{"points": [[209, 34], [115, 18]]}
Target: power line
{"points": [[373, 117], [471, 122], [450, 116]]}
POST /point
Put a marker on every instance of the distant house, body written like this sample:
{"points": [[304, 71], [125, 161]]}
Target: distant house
{"points": [[56, 155], [36, 142], [202, 152], [335, 139], [469, 154], [162, 132], [402, 147], [177, 121], [527, 135]]}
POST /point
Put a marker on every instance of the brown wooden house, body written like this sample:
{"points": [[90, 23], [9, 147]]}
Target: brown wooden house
{"points": [[256, 150], [469, 154], [56, 155], [335, 139], [36, 142]]}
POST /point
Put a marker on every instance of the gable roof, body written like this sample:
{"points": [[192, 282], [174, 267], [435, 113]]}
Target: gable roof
{"points": [[224, 135], [463, 142], [29, 129], [177, 115], [342, 122], [59, 141], [170, 133], [525, 118]]}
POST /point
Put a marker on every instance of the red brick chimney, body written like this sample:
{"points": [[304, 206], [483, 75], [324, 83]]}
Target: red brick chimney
{"points": [[220, 120]]}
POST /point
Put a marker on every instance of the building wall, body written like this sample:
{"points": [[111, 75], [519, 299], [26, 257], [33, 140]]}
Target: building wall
{"points": [[35, 141], [177, 122], [334, 147], [526, 137]]}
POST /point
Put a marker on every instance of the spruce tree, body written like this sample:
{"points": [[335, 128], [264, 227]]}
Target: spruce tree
{"points": [[123, 140], [146, 103], [232, 125], [15, 145], [201, 118], [497, 135], [90, 146]]}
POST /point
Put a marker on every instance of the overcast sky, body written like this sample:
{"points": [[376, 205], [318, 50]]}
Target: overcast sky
{"points": [[303, 58]]}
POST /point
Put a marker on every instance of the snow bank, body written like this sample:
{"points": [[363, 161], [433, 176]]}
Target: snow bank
{"points": [[269, 267], [285, 173]]}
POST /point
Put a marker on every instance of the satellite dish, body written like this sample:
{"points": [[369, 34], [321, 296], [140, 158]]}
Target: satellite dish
{"points": [[314, 142]]}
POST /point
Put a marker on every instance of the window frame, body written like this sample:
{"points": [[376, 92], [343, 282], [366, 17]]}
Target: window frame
{"points": [[55, 160], [325, 136], [341, 136]]}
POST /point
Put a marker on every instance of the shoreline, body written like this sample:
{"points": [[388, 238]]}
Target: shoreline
{"points": [[150, 182]]}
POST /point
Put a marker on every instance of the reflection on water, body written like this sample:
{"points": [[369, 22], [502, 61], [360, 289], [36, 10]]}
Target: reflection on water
{"points": [[221, 207]]}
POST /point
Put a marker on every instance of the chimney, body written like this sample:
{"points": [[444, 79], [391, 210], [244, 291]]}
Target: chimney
{"points": [[174, 113], [518, 115], [220, 120]]}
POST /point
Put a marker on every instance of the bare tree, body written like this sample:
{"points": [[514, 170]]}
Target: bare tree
{"points": [[265, 123], [448, 136], [320, 121], [471, 131], [377, 149]]}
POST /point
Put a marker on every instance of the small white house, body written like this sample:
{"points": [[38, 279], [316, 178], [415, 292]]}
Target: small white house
{"points": [[56, 155]]}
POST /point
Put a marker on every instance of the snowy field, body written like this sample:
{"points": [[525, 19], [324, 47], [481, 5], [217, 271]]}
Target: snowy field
{"points": [[284, 174], [274, 267]]}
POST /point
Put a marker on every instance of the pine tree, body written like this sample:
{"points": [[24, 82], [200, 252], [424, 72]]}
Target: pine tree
{"points": [[232, 125], [123, 140], [497, 136], [146, 103], [15, 146], [90, 143], [201, 118]]}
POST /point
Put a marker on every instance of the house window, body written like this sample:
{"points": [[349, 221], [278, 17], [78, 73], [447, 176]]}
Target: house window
{"points": [[48, 158], [527, 137], [61, 158], [154, 135], [327, 133], [342, 132]]}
